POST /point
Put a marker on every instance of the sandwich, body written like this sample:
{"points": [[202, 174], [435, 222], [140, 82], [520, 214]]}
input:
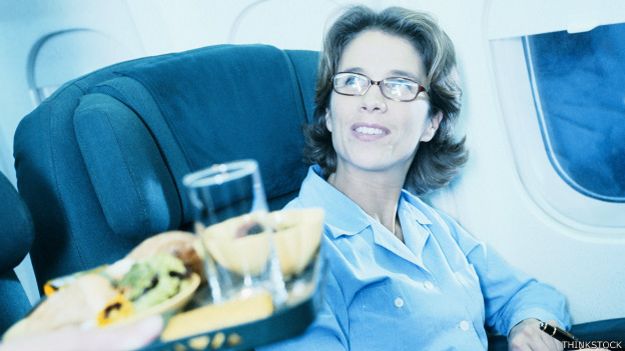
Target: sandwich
{"points": [[158, 276]]}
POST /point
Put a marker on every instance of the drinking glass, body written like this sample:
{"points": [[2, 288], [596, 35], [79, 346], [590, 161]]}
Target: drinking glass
{"points": [[231, 218]]}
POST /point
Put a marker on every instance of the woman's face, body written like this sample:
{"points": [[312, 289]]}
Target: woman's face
{"points": [[370, 132]]}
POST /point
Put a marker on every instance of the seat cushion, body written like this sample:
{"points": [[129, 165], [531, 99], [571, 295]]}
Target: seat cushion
{"points": [[16, 228]]}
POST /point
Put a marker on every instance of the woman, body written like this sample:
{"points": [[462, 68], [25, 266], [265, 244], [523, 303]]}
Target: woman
{"points": [[403, 276]]}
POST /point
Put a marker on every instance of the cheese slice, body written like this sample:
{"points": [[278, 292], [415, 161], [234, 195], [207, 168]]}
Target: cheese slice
{"points": [[219, 316]]}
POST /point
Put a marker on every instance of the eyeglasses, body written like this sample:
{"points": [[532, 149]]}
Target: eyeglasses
{"points": [[393, 88]]}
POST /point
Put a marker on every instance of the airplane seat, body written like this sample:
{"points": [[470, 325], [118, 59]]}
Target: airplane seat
{"points": [[16, 237], [100, 162]]}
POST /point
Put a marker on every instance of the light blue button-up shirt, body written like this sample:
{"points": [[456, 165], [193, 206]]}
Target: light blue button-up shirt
{"points": [[436, 291]]}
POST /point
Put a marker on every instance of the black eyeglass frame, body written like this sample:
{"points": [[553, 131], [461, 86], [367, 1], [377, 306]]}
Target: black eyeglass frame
{"points": [[420, 89]]}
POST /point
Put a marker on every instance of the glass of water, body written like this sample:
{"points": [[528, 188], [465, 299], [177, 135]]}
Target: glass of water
{"points": [[231, 218]]}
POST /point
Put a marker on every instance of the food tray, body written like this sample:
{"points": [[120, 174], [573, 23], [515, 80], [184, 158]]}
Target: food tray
{"points": [[282, 324]]}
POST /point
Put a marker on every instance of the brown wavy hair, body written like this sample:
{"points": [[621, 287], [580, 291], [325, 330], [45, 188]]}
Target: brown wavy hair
{"points": [[438, 160]]}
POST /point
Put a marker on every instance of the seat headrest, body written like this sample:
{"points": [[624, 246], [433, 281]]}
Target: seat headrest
{"points": [[230, 102]]}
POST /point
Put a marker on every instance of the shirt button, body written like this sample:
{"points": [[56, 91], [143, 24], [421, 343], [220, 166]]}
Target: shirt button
{"points": [[399, 302], [428, 285], [464, 325]]}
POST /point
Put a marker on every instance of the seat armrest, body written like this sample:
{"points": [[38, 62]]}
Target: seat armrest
{"points": [[603, 330], [609, 329]]}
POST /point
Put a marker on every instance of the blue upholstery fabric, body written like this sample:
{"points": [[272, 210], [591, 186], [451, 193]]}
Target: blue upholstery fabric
{"points": [[101, 162], [14, 305], [256, 119], [109, 133], [16, 236], [16, 228]]}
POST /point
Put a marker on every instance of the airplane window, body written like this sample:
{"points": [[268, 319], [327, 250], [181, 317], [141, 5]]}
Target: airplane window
{"points": [[578, 82]]}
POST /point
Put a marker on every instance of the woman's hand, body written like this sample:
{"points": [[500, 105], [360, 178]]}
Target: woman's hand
{"points": [[527, 336], [125, 337]]}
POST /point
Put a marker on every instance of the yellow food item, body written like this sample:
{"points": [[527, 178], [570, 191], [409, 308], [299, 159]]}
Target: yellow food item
{"points": [[218, 340], [73, 305], [175, 303], [240, 254], [234, 339], [199, 342], [214, 317], [96, 297], [118, 308], [49, 289], [173, 242], [297, 237], [56, 284]]}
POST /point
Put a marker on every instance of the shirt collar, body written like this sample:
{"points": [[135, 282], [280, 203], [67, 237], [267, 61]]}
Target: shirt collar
{"points": [[341, 213], [417, 208]]}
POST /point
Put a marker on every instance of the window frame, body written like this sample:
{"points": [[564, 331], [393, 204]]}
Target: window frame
{"points": [[517, 98], [555, 162]]}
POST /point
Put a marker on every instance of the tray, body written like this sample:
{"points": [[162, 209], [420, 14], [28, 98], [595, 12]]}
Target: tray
{"points": [[282, 324]]}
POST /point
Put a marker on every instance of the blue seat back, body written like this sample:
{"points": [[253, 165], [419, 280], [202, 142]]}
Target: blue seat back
{"points": [[16, 237], [100, 163]]}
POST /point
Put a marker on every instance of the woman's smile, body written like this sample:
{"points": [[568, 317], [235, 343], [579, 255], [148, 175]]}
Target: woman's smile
{"points": [[369, 131]]}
